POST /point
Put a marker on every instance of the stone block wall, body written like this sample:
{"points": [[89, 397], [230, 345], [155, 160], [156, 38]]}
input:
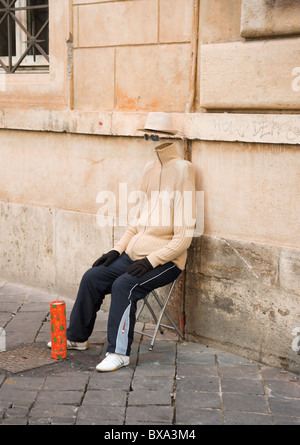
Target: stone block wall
{"points": [[237, 298], [250, 65], [70, 133], [265, 18], [49, 184], [242, 282], [126, 52]]}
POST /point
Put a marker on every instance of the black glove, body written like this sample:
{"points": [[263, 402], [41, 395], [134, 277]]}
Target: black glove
{"points": [[139, 267], [107, 258]]}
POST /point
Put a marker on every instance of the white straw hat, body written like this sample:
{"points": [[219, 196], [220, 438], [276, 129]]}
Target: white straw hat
{"points": [[159, 122]]}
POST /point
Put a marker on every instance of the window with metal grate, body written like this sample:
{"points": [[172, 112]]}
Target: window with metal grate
{"points": [[24, 35]]}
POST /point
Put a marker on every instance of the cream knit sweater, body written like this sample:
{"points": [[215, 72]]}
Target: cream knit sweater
{"points": [[163, 228]]}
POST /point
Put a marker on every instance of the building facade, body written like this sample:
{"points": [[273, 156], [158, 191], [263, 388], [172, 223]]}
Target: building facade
{"points": [[78, 77]]}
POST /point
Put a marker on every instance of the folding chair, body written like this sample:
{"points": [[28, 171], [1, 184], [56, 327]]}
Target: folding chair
{"points": [[159, 325]]}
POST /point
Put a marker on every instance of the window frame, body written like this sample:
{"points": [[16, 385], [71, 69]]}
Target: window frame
{"points": [[22, 61]]}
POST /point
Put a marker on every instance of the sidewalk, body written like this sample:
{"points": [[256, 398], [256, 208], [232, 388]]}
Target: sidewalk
{"points": [[177, 383]]}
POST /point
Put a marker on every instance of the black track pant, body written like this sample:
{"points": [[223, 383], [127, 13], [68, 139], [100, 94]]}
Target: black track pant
{"points": [[125, 291]]}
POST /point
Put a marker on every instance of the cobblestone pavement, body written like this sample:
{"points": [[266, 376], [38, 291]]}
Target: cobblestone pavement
{"points": [[178, 383]]}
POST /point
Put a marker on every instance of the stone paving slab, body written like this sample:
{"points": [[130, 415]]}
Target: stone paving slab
{"points": [[185, 415], [142, 396], [197, 399], [104, 397], [241, 418], [149, 413], [245, 386], [178, 383]]}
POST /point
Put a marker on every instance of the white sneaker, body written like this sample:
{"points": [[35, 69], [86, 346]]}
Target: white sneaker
{"points": [[112, 362], [80, 346]]}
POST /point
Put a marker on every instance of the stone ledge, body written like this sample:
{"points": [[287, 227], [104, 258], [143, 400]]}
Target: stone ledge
{"points": [[227, 127], [262, 18]]}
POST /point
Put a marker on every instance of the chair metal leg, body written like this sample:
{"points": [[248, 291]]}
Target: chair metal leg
{"points": [[153, 315], [146, 303], [163, 311], [167, 315], [161, 315]]}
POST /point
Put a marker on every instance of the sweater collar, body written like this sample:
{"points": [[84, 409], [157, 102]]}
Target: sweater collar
{"points": [[166, 152]]}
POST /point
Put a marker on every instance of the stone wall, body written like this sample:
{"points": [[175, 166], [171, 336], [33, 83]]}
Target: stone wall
{"points": [[48, 199], [244, 297], [71, 133], [126, 52]]}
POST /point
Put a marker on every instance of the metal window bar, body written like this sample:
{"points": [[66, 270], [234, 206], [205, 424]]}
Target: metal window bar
{"points": [[158, 319], [33, 43]]}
